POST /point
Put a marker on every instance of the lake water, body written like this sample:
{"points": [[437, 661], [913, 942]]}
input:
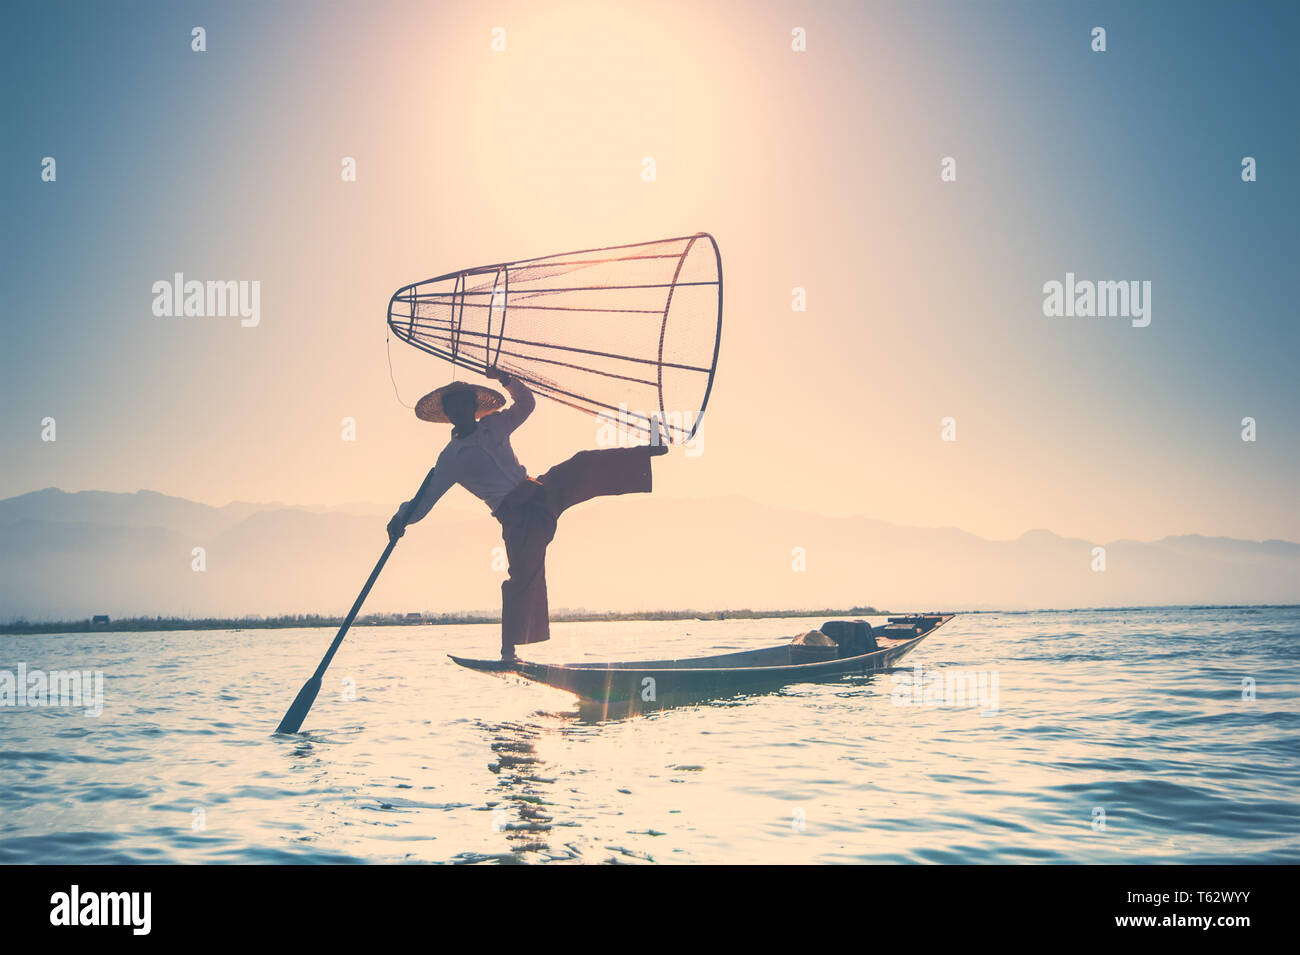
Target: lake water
{"points": [[1117, 736]]}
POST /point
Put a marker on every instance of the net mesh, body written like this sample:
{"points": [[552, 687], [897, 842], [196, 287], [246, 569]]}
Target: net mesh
{"points": [[624, 332]]}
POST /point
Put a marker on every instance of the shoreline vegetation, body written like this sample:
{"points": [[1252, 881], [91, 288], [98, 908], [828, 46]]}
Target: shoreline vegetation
{"points": [[304, 621], [153, 624]]}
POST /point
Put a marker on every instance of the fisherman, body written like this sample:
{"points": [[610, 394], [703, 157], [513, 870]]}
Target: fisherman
{"points": [[479, 458]]}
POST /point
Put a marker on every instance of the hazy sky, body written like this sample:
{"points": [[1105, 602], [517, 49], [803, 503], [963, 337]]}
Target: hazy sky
{"points": [[817, 169]]}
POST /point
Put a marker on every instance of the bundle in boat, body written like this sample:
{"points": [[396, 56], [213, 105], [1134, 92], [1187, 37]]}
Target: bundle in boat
{"points": [[853, 637], [813, 647], [624, 332], [835, 638]]}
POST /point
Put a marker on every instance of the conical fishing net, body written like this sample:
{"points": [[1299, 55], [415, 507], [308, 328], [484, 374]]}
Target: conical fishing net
{"points": [[624, 332]]}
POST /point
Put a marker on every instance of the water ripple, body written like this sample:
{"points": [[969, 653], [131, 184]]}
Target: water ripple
{"points": [[1168, 735]]}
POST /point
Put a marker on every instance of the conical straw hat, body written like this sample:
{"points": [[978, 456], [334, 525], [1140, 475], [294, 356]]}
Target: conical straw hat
{"points": [[429, 408]]}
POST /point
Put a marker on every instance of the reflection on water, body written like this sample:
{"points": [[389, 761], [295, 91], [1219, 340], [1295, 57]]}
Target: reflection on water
{"points": [[522, 809], [1179, 727]]}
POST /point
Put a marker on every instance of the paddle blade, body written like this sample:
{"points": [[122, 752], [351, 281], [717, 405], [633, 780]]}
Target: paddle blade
{"points": [[292, 721]]}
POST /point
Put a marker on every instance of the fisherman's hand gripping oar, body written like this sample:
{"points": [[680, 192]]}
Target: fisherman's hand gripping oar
{"points": [[293, 719]]}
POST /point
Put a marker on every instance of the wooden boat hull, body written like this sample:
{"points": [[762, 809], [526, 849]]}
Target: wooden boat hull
{"points": [[651, 681]]}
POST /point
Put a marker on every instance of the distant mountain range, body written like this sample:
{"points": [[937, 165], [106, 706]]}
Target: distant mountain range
{"points": [[66, 556]]}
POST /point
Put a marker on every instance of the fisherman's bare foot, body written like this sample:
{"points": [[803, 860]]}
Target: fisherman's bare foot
{"points": [[658, 443]]}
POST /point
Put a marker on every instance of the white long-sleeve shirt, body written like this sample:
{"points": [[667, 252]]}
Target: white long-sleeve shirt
{"points": [[483, 462]]}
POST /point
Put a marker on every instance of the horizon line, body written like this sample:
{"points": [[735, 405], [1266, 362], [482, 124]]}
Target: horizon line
{"points": [[24, 626]]}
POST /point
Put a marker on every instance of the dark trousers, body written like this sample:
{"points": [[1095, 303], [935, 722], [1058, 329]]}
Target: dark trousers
{"points": [[528, 518]]}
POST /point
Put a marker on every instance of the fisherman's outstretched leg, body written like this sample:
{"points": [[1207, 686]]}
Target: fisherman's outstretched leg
{"points": [[591, 474], [528, 518]]}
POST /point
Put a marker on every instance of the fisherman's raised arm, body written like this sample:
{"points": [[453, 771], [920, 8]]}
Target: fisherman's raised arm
{"points": [[522, 400]]}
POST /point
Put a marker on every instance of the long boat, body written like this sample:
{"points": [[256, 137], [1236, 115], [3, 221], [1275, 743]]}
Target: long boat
{"points": [[653, 680]]}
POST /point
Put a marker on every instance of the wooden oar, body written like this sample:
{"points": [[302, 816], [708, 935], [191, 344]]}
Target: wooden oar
{"points": [[292, 721]]}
